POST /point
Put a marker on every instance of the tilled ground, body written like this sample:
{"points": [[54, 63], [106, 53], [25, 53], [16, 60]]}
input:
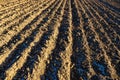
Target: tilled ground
{"points": [[59, 40]]}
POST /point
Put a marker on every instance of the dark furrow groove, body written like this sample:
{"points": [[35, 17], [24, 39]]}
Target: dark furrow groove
{"points": [[76, 18], [80, 68], [36, 50], [113, 36], [62, 41], [106, 48], [107, 18], [15, 54], [5, 11], [17, 37], [84, 35], [117, 10], [22, 17], [95, 47]]}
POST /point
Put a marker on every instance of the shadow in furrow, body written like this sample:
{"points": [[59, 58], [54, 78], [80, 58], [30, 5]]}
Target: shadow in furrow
{"points": [[17, 37], [112, 7], [36, 50], [16, 53], [10, 9], [99, 67], [62, 41], [94, 45], [55, 62], [111, 49], [102, 13], [32, 58], [78, 58], [76, 18], [17, 16]]}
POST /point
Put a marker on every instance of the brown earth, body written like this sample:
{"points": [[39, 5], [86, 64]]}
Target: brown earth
{"points": [[115, 3], [59, 40]]}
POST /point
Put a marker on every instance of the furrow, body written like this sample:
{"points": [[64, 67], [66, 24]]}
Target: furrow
{"points": [[108, 11], [59, 40], [2, 12], [29, 30], [23, 6], [81, 59], [102, 32], [106, 8], [12, 24], [12, 14], [38, 71], [114, 9], [32, 51], [16, 27], [60, 56], [24, 55], [109, 19], [103, 55], [18, 10], [7, 5], [64, 71], [111, 50], [106, 40], [115, 38]]}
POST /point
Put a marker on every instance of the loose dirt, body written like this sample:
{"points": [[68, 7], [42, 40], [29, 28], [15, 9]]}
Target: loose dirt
{"points": [[59, 40]]}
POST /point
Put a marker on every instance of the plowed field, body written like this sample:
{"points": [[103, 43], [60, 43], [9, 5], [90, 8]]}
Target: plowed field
{"points": [[59, 40]]}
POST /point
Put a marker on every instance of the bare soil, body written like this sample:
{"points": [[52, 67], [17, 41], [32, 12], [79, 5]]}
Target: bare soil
{"points": [[59, 40], [114, 3]]}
